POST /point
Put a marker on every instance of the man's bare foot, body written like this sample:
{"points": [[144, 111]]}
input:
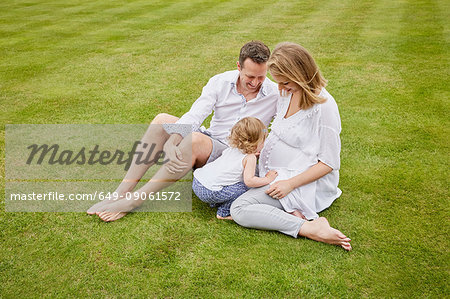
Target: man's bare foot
{"points": [[116, 210], [224, 218], [298, 214], [321, 231], [100, 205], [92, 210], [108, 216]]}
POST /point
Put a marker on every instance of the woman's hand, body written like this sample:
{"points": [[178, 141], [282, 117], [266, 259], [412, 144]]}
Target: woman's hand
{"points": [[280, 189]]}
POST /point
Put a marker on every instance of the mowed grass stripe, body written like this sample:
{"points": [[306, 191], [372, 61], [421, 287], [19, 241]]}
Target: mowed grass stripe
{"points": [[57, 39], [426, 43], [329, 29], [70, 19], [172, 45], [365, 83], [363, 80], [227, 35], [26, 20], [64, 49], [74, 63], [85, 47], [417, 178], [399, 196]]}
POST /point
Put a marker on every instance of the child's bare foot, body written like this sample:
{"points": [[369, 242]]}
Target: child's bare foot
{"points": [[298, 214], [224, 218], [320, 230]]}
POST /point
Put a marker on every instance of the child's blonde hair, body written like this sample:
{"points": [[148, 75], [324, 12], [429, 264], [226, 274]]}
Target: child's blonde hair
{"points": [[247, 133]]}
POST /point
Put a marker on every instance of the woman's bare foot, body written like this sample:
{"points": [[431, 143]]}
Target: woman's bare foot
{"points": [[298, 214], [224, 218], [321, 231]]}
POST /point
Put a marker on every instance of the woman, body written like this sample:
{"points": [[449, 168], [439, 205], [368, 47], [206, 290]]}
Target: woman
{"points": [[303, 147]]}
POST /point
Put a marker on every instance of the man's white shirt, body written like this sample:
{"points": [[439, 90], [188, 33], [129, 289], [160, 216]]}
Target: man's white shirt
{"points": [[220, 95]]}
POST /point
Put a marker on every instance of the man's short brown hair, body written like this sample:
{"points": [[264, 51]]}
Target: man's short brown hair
{"points": [[255, 50]]}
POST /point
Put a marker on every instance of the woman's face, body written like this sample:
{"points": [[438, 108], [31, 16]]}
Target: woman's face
{"points": [[285, 84]]}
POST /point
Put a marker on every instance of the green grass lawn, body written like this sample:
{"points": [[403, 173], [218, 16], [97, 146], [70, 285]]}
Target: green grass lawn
{"points": [[101, 61]]}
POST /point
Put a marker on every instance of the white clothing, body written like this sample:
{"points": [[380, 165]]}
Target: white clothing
{"points": [[220, 95], [300, 141], [224, 171]]}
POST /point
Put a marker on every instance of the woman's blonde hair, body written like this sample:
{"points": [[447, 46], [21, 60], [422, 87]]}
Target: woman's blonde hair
{"points": [[247, 133], [294, 62]]}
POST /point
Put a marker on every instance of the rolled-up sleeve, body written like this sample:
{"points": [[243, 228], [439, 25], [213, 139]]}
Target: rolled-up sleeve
{"points": [[330, 147]]}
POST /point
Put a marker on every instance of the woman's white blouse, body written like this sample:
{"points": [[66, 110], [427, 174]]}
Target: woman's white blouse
{"points": [[300, 141]]}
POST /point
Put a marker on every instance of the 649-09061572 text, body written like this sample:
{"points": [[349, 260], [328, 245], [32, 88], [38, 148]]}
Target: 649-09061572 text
{"points": [[53, 195]]}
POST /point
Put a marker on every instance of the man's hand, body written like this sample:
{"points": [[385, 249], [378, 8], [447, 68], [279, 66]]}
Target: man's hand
{"points": [[173, 153], [279, 189]]}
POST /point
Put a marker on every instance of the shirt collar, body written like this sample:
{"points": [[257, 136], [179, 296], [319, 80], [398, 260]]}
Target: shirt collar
{"points": [[263, 89]]}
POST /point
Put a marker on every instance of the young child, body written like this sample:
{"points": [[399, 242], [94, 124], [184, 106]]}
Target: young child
{"points": [[220, 182]]}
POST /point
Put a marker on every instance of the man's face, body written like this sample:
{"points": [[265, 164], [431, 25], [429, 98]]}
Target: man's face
{"points": [[251, 75]]}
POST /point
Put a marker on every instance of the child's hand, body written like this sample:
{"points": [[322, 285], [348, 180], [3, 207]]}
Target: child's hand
{"points": [[272, 174]]}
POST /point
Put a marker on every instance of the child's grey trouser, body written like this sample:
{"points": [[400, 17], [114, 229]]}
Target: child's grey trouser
{"points": [[256, 209]]}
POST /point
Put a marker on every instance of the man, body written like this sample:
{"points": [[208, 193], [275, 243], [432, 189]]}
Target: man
{"points": [[231, 95]]}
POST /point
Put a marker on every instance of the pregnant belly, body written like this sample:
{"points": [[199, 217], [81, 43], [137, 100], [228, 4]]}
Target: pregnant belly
{"points": [[288, 161], [282, 155]]}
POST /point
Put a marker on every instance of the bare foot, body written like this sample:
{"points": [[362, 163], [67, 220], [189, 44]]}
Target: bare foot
{"points": [[298, 214], [92, 210], [116, 210], [100, 205], [108, 216], [320, 230], [224, 218]]}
